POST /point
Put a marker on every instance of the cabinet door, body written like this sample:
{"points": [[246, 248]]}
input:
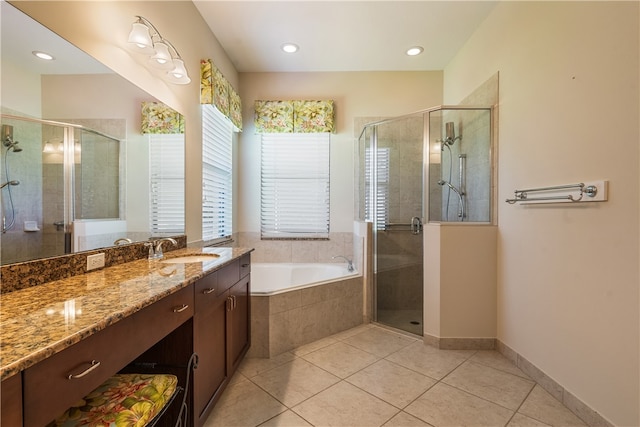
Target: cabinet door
{"points": [[11, 401], [238, 333], [210, 345]]}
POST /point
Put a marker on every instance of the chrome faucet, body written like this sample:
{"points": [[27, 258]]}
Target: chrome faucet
{"points": [[155, 247], [350, 267]]}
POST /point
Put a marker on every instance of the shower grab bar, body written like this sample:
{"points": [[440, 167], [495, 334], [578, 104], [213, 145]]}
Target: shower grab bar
{"points": [[591, 190]]}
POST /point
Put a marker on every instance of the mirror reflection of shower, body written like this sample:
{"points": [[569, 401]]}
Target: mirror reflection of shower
{"points": [[11, 146], [446, 181]]}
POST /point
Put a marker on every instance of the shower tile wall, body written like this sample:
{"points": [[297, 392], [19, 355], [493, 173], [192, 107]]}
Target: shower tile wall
{"points": [[26, 167], [473, 126], [315, 251]]}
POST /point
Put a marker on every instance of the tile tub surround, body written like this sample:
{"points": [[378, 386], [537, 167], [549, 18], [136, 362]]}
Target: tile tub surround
{"points": [[371, 376], [303, 250], [287, 320], [33, 273], [38, 322]]}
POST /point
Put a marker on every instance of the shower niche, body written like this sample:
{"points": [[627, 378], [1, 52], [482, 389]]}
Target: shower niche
{"points": [[459, 164]]}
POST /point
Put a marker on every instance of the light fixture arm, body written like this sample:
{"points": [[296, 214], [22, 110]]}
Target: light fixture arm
{"points": [[145, 21]]}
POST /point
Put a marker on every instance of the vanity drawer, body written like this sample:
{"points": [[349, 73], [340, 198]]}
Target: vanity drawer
{"points": [[48, 388], [206, 291], [228, 276]]}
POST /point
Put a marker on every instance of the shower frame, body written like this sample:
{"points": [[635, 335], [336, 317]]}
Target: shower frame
{"points": [[426, 194]]}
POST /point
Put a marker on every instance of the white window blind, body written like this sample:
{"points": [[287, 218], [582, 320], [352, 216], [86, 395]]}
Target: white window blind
{"points": [[295, 185], [217, 184], [166, 177], [381, 195]]}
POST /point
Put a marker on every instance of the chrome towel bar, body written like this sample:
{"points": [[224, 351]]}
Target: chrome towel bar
{"points": [[581, 192]]}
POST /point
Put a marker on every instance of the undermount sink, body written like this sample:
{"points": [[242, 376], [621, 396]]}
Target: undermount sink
{"points": [[190, 258]]}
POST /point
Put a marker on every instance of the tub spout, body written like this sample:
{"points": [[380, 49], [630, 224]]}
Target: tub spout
{"points": [[349, 262]]}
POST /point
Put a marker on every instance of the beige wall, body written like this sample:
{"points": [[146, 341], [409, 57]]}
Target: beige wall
{"points": [[567, 275], [356, 94], [20, 91], [101, 29]]}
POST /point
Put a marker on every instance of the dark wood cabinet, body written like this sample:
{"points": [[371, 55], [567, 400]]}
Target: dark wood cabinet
{"points": [[221, 332], [11, 401], [54, 384], [209, 318], [238, 338], [209, 340]]}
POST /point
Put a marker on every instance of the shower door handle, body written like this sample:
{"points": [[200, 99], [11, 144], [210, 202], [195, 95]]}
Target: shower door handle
{"points": [[416, 225]]}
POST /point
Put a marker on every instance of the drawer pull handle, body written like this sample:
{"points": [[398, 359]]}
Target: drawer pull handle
{"points": [[208, 291], [94, 365], [245, 265], [180, 309]]}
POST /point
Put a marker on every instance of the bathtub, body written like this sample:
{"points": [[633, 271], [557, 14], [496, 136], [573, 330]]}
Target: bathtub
{"points": [[293, 304], [275, 278]]}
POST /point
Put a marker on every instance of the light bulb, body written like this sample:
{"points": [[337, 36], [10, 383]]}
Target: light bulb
{"points": [[179, 73], [162, 57], [140, 38]]}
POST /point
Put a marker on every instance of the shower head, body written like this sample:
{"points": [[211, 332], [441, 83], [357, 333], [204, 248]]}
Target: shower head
{"points": [[449, 134], [450, 131]]}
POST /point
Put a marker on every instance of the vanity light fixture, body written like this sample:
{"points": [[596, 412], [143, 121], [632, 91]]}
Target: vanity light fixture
{"points": [[415, 50], [43, 55], [146, 39], [290, 47]]}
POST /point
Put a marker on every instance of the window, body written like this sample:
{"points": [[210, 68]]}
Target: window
{"points": [[381, 197], [217, 197], [166, 177], [295, 185]]}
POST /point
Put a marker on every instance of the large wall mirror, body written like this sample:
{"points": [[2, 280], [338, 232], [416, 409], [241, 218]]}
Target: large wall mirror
{"points": [[76, 170]]}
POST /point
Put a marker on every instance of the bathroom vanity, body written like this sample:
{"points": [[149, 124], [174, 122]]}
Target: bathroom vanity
{"points": [[62, 339]]}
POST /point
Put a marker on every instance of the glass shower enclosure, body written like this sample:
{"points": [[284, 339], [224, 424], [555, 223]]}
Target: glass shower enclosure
{"points": [[431, 165], [55, 173]]}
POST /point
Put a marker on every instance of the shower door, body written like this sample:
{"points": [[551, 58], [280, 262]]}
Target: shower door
{"points": [[396, 209]]}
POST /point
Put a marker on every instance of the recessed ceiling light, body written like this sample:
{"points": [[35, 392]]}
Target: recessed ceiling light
{"points": [[415, 50], [43, 55], [290, 47]]}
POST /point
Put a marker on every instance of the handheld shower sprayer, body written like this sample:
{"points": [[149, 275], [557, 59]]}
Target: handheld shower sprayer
{"points": [[461, 208], [14, 182]]}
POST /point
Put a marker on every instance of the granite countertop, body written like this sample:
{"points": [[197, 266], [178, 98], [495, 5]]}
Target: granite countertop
{"points": [[40, 321]]}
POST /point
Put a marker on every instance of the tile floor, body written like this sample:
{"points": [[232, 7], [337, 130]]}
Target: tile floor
{"points": [[372, 376]]}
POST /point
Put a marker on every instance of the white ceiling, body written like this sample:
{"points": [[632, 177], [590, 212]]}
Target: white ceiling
{"points": [[20, 35], [342, 35]]}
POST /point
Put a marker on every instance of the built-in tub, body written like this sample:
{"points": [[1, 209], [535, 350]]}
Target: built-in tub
{"points": [[275, 278], [293, 304]]}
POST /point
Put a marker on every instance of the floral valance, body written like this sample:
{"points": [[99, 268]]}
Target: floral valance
{"points": [[160, 118], [294, 116], [216, 90]]}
